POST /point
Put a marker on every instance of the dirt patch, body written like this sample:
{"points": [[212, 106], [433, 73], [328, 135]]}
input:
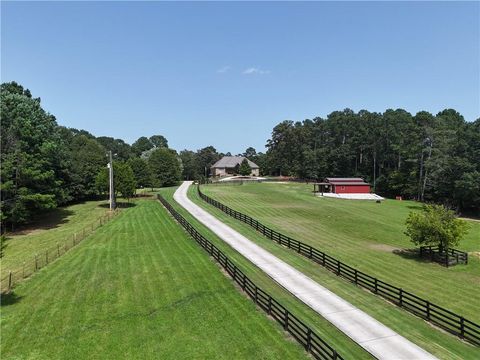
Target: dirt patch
{"points": [[384, 247]]}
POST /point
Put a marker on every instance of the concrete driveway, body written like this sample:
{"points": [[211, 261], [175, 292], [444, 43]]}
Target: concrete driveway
{"points": [[373, 336]]}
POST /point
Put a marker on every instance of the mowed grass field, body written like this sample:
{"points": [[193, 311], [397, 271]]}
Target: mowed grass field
{"points": [[363, 234], [437, 342], [49, 229], [139, 288], [442, 345], [344, 345]]}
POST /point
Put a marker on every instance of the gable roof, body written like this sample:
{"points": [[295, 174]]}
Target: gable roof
{"points": [[346, 181], [232, 161], [331, 179]]}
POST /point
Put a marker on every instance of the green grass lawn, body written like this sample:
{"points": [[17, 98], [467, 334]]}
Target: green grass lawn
{"points": [[363, 234], [47, 230], [415, 329], [139, 288], [346, 347]]}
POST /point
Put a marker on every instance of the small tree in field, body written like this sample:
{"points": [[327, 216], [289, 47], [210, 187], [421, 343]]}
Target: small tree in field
{"points": [[244, 168], [435, 226]]}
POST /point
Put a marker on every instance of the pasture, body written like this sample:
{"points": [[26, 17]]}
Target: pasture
{"points": [[415, 329], [139, 287], [47, 230], [363, 234]]}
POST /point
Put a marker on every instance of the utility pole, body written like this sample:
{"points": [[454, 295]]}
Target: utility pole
{"points": [[110, 168]]}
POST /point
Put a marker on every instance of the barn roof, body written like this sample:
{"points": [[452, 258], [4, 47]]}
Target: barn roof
{"points": [[232, 161], [346, 181], [353, 179]]}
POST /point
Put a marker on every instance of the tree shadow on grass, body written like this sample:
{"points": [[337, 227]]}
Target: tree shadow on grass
{"points": [[121, 205], [9, 298], [415, 207], [410, 254], [46, 221]]}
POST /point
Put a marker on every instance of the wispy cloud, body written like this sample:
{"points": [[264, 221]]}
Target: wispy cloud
{"points": [[223, 69], [255, 71]]}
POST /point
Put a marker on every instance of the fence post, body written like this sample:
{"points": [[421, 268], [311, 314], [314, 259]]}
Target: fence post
{"points": [[256, 295], [309, 339], [58, 250], [269, 305], [446, 259], [428, 310], [401, 297], [74, 238], [338, 267], [462, 326], [9, 280], [376, 285], [310, 252], [286, 320], [323, 256], [36, 262], [335, 355]]}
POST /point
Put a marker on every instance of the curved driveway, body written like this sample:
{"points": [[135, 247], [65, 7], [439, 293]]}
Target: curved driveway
{"points": [[373, 336]]}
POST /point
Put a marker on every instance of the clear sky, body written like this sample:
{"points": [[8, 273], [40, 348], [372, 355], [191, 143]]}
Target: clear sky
{"points": [[224, 74]]}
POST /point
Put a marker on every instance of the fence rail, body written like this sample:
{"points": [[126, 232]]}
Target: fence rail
{"points": [[46, 256], [312, 343], [446, 258], [435, 314]]}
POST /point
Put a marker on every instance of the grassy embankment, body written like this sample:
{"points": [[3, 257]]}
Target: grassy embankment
{"points": [[47, 230], [138, 288], [365, 235]]}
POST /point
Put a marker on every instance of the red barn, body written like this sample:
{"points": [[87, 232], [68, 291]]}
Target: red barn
{"points": [[343, 186]]}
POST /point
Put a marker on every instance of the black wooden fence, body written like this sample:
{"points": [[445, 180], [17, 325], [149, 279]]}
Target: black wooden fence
{"points": [[437, 315], [290, 323], [447, 258]]}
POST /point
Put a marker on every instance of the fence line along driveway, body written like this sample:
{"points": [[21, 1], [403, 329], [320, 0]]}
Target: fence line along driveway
{"points": [[373, 336]]}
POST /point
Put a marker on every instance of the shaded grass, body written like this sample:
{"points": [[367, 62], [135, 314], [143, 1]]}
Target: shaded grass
{"points": [[138, 288], [432, 339], [365, 235], [49, 229]]}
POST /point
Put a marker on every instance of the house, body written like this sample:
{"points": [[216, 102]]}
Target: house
{"points": [[343, 186], [228, 165]]}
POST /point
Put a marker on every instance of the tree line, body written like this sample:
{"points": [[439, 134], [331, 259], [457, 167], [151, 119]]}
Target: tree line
{"points": [[422, 156], [45, 165], [432, 158]]}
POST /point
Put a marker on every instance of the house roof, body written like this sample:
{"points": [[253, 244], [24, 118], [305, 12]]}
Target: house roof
{"points": [[232, 161]]}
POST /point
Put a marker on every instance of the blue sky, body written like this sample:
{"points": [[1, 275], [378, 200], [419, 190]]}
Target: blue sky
{"points": [[224, 74]]}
